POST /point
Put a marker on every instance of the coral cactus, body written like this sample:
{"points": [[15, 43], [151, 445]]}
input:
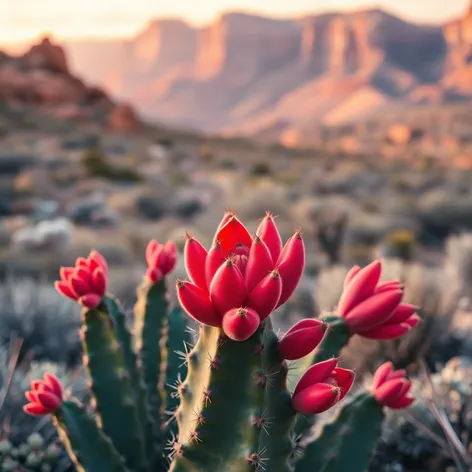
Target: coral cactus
{"points": [[233, 409]]}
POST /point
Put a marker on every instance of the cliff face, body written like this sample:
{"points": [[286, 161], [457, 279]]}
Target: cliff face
{"points": [[41, 78], [246, 73]]}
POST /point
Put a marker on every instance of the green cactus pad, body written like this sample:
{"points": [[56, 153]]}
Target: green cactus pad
{"points": [[150, 314], [348, 442], [275, 439], [124, 339], [111, 388], [178, 341], [87, 446], [217, 434]]}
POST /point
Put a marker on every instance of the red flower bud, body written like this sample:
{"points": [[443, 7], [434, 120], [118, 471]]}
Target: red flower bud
{"points": [[259, 263], [266, 294], [227, 289], [44, 397], [391, 388], [291, 264], [232, 234], [197, 303], [86, 282], [321, 387], [269, 233], [351, 274], [372, 309], [195, 256], [361, 286], [302, 338], [215, 259], [161, 257], [240, 324], [365, 316]]}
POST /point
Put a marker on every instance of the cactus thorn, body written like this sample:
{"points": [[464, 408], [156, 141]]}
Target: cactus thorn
{"points": [[257, 459], [215, 362], [261, 379], [206, 396]]}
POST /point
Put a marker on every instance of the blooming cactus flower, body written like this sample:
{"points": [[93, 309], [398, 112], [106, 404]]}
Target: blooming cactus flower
{"points": [[302, 338], [390, 387], [44, 397], [321, 387], [255, 274], [86, 282], [372, 309], [161, 259]]}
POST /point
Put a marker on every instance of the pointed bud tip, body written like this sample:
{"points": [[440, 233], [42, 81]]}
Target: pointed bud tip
{"points": [[298, 233], [179, 283], [275, 274], [189, 237]]}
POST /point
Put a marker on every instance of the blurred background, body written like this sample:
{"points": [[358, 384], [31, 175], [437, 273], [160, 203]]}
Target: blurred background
{"points": [[126, 121]]}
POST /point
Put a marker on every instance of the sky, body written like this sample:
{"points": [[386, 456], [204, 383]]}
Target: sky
{"points": [[26, 20]]}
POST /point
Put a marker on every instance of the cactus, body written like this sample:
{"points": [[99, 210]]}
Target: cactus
{"points": [[227, 396]]}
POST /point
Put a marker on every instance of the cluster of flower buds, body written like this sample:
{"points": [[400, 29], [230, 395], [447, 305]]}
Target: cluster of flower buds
{"points": [[242, 279], [322, 386], [374, 309], [86, 282], [45, 396], [161, 259], [391, 388]]}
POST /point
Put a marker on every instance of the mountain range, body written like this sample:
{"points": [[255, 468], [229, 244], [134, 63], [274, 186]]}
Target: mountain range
{"points": [[275, 78]]}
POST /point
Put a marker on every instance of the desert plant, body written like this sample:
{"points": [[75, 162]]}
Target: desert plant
{"points": [[27, 441], [228, 393]]}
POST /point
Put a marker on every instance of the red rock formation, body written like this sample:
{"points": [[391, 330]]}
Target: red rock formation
{"points": [[47, 56], [122, 119], [41, 78]]}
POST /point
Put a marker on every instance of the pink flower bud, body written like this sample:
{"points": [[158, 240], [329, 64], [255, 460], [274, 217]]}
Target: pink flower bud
{"points": [[321, 387], [266, 294], [240, 324], [302, 338], [197, 303], [162, 257], [359, 288], [372, 309], [227, 289], [86, 282], [365, 316], [391, 388], [195, 256], [259, 263], [291, 264], [269, 233], [215, 259], [45, 396], [350, 275]]}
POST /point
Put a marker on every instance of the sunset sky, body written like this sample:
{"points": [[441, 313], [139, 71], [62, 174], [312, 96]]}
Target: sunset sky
{"points": [[23, 20]]}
